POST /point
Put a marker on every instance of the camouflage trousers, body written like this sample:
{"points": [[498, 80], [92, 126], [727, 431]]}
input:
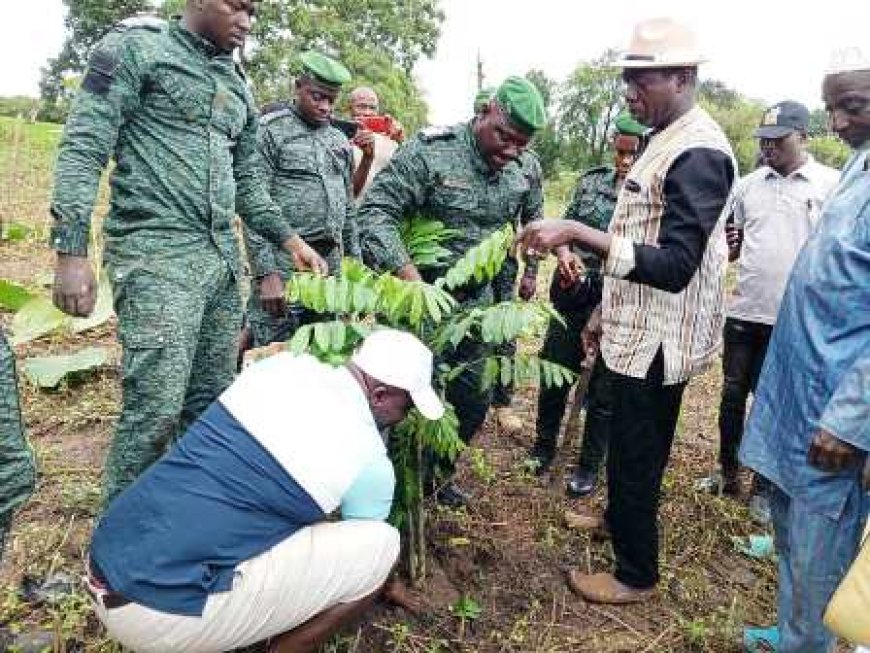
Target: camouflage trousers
{"points": [[266, 328], [179, 323], [17, 465], [464, 392]]}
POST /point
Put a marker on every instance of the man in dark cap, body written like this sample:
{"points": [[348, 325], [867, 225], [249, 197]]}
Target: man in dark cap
{"points": [[774, 210], [169, 104], [308, 166], [471, 178]]}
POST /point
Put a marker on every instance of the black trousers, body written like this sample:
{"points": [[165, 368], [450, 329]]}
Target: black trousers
{"points": [[563, 346], [645, 413], [742, 359]]}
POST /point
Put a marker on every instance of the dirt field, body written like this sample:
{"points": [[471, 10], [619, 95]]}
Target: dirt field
{"points": [[507, 553]]}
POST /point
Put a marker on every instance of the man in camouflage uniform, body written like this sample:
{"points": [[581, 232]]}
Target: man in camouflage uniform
{"points": [[469, 177], [17, 467], [309, 167], [169, 104], [575, 297], [503, 287]]}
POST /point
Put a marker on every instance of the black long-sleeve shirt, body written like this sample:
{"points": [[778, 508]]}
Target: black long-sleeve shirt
{"points": [[696, 189]]}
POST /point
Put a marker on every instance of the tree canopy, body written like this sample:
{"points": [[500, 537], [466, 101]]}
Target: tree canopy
{"points": [[379, 41]]}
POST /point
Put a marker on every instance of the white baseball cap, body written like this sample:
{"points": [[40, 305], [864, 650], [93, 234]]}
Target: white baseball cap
{"points": [[847, 60], [399, 359]]}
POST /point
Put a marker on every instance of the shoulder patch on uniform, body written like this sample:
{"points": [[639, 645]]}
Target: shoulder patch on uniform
{"points": [[280, 112], [142, 21], [437, 133], [102, 66]]}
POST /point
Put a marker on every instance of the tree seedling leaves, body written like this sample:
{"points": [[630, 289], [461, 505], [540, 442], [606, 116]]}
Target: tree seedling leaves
{"points": [[49, 371], [466, 608]]}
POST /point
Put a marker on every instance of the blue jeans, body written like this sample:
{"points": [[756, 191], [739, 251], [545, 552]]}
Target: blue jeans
{"points": [[815, 552]]}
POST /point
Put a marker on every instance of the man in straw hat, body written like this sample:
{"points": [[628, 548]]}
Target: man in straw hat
{"points": [[660, 320], [809, 430]]}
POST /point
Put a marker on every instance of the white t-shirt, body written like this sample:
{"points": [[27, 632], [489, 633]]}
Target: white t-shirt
{"points": [[385, 147], [777, 215], [315, 420]]}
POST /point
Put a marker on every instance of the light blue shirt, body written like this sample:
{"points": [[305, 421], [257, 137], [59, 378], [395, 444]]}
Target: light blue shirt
{"points": [[817, 370]]}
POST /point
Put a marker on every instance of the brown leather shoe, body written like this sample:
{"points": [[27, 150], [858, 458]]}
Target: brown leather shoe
{"points": [[604, 588], [587, 522]]}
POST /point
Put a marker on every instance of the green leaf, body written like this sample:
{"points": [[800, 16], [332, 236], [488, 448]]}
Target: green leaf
{"points": [[482, 262], [36, 318], [300, 343], [49, 371], [16, 232], [506, 370], [13, 295], [466, 608]]}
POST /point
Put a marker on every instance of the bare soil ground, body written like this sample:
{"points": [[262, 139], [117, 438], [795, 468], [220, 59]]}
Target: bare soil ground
{"points": [[507, 552]]}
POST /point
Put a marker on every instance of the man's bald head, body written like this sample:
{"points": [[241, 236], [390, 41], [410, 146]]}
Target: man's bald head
{"points": [[364, 102]]}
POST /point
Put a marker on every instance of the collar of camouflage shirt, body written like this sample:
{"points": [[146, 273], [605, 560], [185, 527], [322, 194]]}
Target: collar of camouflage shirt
{"points": [[205, 46], [477, 158]]}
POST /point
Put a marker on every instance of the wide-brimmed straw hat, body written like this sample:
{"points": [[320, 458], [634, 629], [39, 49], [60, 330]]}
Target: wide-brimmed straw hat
{"points": [[661, 43]]}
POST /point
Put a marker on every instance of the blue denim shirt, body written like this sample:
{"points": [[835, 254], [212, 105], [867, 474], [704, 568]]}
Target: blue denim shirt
{"points": [[817, 370]]}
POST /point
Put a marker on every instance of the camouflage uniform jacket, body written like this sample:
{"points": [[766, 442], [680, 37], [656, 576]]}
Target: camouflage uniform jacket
{"points": [[177, 116], [309, 170], [442, 174], [592, 204]]}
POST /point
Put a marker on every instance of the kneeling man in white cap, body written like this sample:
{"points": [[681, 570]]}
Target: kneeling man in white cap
{"points": [[226, 541]]}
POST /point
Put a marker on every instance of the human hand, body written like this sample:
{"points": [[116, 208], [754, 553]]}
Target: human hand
{"points": [[541, 236], [528, 286], [365, 141], [304, 257], [272, 297], [75, 288], [409, 272], [830, 454], [734, 238], [568, 266], [397, 132]]}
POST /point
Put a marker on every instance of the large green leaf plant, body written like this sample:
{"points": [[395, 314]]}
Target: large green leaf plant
{"points": [[359, 300]]}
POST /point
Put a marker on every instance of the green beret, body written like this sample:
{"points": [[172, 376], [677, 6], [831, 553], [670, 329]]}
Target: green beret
{"points": [[483, 97], [523, 103], [625, 124], [324, 69]]}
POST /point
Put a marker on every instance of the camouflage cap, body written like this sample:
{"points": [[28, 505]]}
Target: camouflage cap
{"points": [[625, 124], [522, 102], [324, 69], [483, 97]]}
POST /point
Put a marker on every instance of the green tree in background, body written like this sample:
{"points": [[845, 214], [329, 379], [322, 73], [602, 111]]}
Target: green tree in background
{"points": [[547, 144], [379, 40], [738, 117], [86, 21], [829, 150], [591, 100]]}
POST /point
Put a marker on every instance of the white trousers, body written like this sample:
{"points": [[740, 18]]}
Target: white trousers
{"points": [[318, 567]]}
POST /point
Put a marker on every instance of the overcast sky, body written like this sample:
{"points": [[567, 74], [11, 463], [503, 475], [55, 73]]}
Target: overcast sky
{"points": [[770, 50]]}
